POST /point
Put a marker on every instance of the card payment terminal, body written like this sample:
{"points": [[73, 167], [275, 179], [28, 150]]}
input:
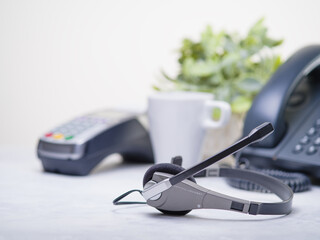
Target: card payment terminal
{"points": [[76, 147]]}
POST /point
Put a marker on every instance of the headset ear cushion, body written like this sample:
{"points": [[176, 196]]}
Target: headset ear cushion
{"points": [[165, 168]]}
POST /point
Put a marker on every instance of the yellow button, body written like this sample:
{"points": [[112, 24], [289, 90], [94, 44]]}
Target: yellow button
{"points": [[58, 136]]}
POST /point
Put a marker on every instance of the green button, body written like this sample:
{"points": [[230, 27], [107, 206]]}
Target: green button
{"points": [[68, 137]]}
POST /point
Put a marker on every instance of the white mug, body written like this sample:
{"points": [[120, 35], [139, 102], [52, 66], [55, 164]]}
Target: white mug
{"points": [[178, 123]]}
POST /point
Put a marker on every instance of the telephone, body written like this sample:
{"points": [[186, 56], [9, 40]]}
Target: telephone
{"points": [[291, 102]]}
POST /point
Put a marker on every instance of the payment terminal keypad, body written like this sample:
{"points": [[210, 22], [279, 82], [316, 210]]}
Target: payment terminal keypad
{"points": [[76, 127]]}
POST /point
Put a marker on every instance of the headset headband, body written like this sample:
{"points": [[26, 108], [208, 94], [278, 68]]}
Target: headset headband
{"points": [[275, 186]]}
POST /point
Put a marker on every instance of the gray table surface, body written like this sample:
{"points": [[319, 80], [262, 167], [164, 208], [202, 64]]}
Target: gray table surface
{"points": [[39, 205]]}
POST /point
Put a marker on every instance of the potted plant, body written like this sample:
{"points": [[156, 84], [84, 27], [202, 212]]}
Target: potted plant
{"points": [[233, 68]]}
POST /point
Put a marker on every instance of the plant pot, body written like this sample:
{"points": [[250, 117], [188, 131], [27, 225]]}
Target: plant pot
{"points": [[217, 140]]}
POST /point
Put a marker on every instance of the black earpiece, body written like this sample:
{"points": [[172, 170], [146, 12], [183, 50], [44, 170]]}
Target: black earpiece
{"points": [[169, 168]]}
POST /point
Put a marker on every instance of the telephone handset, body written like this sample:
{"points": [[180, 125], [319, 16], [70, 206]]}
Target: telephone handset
{"points": [[291, 102]]}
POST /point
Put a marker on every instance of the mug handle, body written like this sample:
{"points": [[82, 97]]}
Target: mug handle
{"points": [[225, 114]]}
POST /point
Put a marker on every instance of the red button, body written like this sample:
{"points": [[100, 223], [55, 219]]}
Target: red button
{"points": [[48, 134]]}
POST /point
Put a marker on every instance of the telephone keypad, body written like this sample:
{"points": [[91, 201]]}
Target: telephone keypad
{"points": [[317, 141], [298, 148], [311, 150], [307, 139], [312, 131]]}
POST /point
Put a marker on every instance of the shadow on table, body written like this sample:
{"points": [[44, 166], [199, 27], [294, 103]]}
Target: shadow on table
{"points": [[115, 162], [203, 214]]}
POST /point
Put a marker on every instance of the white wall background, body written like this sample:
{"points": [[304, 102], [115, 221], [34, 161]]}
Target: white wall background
{"points": [[59, 59]]}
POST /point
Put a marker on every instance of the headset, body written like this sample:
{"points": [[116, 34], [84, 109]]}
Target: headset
{"points": [[173, 190]]}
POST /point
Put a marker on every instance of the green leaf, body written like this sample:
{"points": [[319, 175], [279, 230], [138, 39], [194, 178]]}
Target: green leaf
{"points": [[249, 85], [167, 76], [241, 104], [277, 62], [272, 42], [223, 92], [216, 79], [200, 68], [156, 88], [216, 114]]}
